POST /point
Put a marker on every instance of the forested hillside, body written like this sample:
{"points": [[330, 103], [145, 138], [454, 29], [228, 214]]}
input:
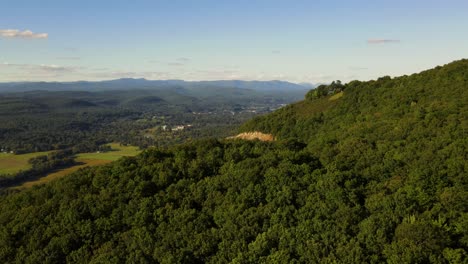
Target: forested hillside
{"points": [[363, 172]]}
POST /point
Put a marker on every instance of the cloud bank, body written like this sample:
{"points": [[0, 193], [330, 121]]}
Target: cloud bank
{"points": [[27, 34], [34, 68]]}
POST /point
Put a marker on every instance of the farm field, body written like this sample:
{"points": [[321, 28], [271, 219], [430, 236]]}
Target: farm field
{"points": [[11, 163], [85, 160], [116, 153]]}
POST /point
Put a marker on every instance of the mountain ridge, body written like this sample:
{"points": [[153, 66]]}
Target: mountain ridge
{"points": [[141, 83]]}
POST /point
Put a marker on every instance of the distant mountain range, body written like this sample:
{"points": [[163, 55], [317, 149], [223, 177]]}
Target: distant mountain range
{"points": [[130, 83], [145, 94]]}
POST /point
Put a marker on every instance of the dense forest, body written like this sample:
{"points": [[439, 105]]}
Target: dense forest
{"points": [[362, 172]]}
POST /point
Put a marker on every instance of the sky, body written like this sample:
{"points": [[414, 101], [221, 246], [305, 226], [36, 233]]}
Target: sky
{"points": [[295, 40]]}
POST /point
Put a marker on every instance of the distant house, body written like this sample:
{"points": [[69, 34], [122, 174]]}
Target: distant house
{"points": [[178, 128]]}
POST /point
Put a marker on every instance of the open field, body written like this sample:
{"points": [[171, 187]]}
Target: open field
{"points": [[85, 160], [58, 174], [116, 153], [11, 163]]}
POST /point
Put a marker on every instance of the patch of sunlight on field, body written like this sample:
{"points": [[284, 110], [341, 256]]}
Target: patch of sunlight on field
{"points": [[60, 173], [116, 153], [11, 163], [87, 160], [336, 96]]}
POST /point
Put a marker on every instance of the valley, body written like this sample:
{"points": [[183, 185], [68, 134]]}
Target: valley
{"points": [[82, 124]]}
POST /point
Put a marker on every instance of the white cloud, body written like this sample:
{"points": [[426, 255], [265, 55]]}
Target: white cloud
{"points": [[179, 62], [27, 34], [68, 58], [40, 67], [109, 74], [357, 68], [39, 72], [176, 64], [56, 68], [382, 41], [183, 59]]}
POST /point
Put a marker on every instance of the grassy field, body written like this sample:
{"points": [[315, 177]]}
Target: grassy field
{"points": [[11, 163], [116, 153], [85, 160]]}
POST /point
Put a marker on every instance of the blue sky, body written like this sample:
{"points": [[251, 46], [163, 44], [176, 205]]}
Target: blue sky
{"points": [[298, 41]]}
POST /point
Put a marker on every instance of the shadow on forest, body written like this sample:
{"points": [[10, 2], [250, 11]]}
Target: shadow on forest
{"points": [[31, 175]]}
